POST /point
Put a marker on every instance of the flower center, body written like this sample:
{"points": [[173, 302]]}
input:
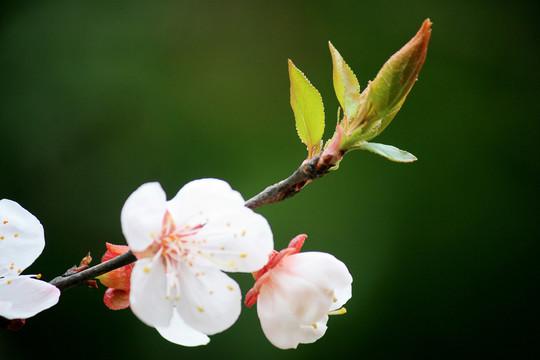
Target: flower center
{"points": [[173, 249]]}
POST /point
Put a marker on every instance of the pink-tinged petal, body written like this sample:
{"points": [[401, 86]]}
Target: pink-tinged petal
{"points": [[114, 251], [23, 297], [295, 295], [180, 333], [321, 269], [21, 238], [142, 216], [148, 292], [307, 302], [118, 278], [278, 322], [240, 241], [116, 299], [200, 200], [210, 301], [325, 273]]}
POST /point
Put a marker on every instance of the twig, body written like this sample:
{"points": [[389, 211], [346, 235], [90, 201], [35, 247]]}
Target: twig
{"points": [[282, 190], [65, 282], [287, 188]]}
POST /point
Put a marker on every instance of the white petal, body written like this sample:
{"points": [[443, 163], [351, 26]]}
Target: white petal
{"points": [[22, 297], [321, 269], [325, 272], [210, 301], [313, 332], [341, 296], [5, 307], [142, 216], [307, 302], [21, 237], [180, 333], [240, 241], [280, 325], [200, 200], [148, 291], [293, 302]]}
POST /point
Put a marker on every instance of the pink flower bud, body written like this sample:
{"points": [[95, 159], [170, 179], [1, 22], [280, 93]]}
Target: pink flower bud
{"points": [[118, 280]]}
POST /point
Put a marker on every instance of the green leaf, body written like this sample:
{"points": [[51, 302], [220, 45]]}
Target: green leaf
{"points": [[398, 75], [308, 108], [345, 84], [386, 119], [388, 151]]}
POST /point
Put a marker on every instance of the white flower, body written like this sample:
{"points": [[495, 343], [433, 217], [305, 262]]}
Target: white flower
{"points": [[183, 244], [296, 293], [21, 242]]}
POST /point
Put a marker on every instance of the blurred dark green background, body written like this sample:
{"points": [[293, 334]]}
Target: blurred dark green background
{"points": [[99, 97]]}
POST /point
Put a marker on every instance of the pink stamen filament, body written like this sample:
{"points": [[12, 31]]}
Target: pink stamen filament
{"points": [[174, 248]]}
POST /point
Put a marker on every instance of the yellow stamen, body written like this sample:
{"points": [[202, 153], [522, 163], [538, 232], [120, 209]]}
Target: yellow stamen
{"points": [[340, 311], [230, 287], [243, 255], [200, 309], [314, 326], [16, 235], [38, 276], [146, 269]]}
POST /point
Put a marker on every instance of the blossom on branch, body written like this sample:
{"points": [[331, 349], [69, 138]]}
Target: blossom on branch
{"points": [[296, 293], [21, 242], [183, 246], [118, 281]]}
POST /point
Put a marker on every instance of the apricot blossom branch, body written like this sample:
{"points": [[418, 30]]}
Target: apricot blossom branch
{"points": [[282, 190], [365, 115]]}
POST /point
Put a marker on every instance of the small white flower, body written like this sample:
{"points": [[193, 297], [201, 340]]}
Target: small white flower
{"points": [[21, 242], [295, 293], [177, 285]]}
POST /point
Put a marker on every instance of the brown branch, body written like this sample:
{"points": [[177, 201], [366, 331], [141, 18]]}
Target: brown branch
{"points": [[282, 190], [67, 281], [289, 187]]}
